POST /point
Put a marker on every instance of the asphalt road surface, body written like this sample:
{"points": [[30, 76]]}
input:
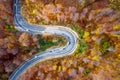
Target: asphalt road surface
{"points": [[23, 26]]}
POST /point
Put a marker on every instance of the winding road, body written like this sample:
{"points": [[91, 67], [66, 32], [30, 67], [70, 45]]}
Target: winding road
{"points": [[23, 26]]}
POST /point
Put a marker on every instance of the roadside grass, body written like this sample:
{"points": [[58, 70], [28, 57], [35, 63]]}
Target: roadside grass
{"points": [[45, 44], [81, 43]]}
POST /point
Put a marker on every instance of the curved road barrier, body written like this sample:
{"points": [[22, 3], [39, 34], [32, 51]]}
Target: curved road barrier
{"points": [[23, 26]]}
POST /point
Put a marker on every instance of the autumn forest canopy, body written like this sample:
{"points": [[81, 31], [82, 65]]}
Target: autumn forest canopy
{"points": [[97, 23]]}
